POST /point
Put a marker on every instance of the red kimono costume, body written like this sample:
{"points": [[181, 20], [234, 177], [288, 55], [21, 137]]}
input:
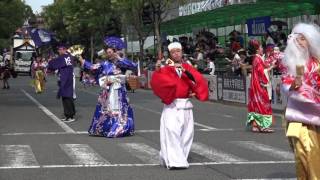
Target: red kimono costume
{"points": [[259, 106], [302, 113], [176, 126]]}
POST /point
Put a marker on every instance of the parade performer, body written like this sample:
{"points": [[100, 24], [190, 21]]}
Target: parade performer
{"points": [[269, 64], [64, 64], [87, 78], [301, 84], [174, 84], [38, 73], [5, 73], [259, 107], [113, 116]]}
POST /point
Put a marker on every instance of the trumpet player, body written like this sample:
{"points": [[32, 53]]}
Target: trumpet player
{"points": [[174, 84]]}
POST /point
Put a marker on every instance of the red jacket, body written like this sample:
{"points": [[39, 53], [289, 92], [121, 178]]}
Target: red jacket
{"points": [[168, 86]]}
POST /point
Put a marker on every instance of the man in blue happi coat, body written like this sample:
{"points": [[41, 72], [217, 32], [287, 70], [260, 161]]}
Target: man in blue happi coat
{"points": [[64, 64]]}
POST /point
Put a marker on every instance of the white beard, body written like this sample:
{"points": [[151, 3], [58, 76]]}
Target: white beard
{"points": [[295, 55]]}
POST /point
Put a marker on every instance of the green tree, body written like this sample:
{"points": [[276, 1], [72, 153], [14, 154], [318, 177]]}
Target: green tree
{"points": [[160, 9], [132, 15], [82, 21], [12, 15], [53, 15]]}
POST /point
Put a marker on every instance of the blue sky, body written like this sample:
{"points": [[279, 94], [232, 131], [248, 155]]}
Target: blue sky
{"points": [[36, 4]]}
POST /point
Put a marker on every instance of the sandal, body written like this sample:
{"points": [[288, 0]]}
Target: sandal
{"points": [[255, 129], [266, 130]]}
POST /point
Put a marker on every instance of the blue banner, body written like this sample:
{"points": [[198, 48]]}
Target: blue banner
{"points": [[258, 26], [40, 36]]}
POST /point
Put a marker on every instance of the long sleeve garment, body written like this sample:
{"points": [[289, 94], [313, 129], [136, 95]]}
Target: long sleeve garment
{"points": [[108, 68], [302, 115], [113, 116], [64, 64], [259, 106], [304, 102], [168, 86]]}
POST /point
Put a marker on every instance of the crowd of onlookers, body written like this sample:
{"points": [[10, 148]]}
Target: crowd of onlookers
{"points": [[210, 57]]}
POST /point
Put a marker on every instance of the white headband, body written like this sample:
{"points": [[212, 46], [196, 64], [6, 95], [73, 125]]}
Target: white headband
{"points": [[174, 45]]}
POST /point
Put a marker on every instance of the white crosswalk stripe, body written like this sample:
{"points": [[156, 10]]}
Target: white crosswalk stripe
{"points": [[143, 152], [17, 156], [83, 154], [271, 179], [213, 154], [266, 149]]}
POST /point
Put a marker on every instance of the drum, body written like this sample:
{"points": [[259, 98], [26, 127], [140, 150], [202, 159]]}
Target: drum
{"points": [[133, 82]]}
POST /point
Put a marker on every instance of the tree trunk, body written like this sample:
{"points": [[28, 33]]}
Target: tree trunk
{"points": [[141, 56], [125, 34], [92, 48], [157, 32], [141, 44]]}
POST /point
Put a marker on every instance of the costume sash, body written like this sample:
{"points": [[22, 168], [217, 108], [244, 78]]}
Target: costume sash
{"points": [[181, 103], [300, 109], [115, 84]]}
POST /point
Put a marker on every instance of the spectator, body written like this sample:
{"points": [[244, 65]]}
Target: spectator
{"points": [[210, 67], [269, 40]]}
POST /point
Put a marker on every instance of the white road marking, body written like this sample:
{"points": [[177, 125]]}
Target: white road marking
{"points": [[145, 165], [156, 112], [36, 133], [82, 154], [270, 179], [213, 154], [227, 116], [142, 151], [17, 156], [204, 126], [206, 102], [49, 113], [148, 131], [137, 131], [269, 150]]}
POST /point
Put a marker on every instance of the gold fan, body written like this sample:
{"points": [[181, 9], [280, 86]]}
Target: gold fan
{"points": [[76, 50]]}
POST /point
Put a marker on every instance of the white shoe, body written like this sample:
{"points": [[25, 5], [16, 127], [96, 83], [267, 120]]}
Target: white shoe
{"points": [[68, 120]]}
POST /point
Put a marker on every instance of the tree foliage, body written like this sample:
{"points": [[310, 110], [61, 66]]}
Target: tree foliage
{"points": [[12, 15], [133, 12], [87, 20], [132, 16], [82, 21]]}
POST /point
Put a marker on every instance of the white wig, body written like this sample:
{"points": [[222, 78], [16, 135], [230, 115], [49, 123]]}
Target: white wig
{"points": [[295, 54]]}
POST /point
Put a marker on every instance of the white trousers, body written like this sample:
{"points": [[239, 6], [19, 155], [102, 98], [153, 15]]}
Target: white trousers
{"points": [[176, 133]]}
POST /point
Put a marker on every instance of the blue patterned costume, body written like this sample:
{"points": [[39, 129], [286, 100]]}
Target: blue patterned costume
{"points": [[113, 116]]}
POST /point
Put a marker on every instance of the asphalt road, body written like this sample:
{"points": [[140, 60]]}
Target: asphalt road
{"points": [[35, 144]]}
